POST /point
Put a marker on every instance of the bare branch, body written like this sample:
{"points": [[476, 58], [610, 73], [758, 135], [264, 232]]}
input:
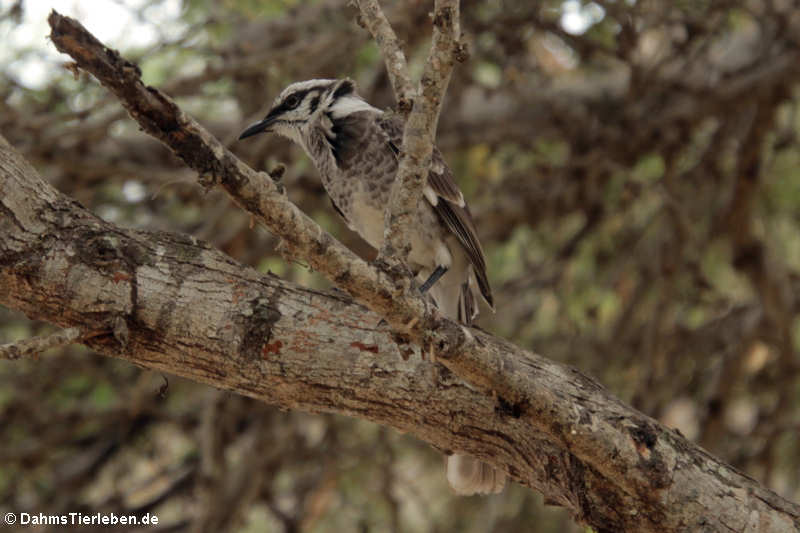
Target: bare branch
{"points": [[31, 348], [396, 65], [420, 130], [302, 238], [301, 349]]}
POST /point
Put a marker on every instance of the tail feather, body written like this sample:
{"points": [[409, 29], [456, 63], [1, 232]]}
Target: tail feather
{"points": [[469, 476], [456, 294], [467, 305]]}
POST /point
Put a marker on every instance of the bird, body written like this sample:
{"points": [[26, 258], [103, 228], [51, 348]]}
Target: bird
{"points": [[355, 148]]}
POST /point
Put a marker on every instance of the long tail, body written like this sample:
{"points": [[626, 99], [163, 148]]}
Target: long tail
{"points": [[457, 298], [469, 476]]}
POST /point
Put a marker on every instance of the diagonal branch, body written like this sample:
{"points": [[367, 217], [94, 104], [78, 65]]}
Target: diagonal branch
{"points": [[194, 312], [160, 117], [397, 67], [618, 469]]}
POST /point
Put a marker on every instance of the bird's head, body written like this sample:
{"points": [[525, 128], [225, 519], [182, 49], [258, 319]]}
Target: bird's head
{"points": [[302, 103]]}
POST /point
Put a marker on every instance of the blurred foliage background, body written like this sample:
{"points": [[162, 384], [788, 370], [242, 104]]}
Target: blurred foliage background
{"points": [[633, 166]]}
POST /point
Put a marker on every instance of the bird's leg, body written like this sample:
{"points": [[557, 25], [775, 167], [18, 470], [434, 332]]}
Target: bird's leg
{"points": [[433, 278], [430, 282]]}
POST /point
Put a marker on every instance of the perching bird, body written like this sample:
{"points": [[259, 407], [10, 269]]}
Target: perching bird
{"points": [[355, 147]]}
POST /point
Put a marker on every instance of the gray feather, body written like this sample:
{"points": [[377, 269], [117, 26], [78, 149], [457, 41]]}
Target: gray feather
{"points": [[355, 148]]}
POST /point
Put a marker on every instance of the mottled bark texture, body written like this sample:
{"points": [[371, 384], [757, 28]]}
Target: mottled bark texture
{"points": [[171, 303]]}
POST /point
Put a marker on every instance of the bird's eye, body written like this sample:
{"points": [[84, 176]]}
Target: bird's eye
{"points": [[292, 101]]}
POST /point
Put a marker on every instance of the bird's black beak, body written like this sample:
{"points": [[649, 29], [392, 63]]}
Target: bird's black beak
{"points": [[261, 126]]}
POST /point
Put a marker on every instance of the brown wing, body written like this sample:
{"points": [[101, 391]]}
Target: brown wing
{"points": [[448, 202]]}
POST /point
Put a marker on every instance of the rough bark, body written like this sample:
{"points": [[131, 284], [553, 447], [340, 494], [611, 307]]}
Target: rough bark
{"points": [[171, 303]]}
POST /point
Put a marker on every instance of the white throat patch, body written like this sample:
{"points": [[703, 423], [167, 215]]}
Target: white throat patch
{"points": [[350, 104]]}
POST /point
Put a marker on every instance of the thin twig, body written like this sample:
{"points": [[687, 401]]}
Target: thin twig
{"points": [[31, 348], [378, 25]]}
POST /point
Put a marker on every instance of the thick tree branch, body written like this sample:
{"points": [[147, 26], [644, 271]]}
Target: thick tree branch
{"points": [[547, 425], [192, 311]]}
